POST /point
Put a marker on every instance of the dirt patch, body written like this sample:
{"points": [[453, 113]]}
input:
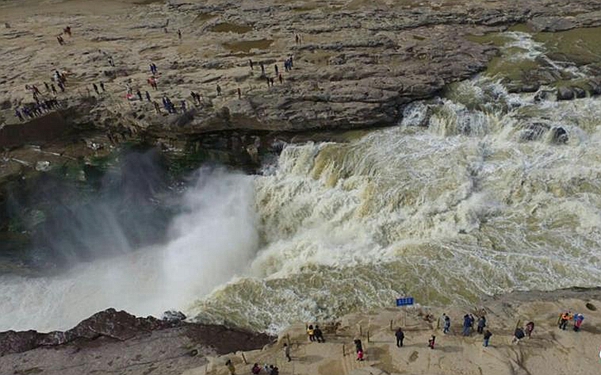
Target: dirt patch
{"points": [[248, 45], [230, 28]]}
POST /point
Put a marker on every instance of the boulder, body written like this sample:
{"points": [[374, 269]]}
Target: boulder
{"points": [[565, 93], [173, 316], [560, 135]]}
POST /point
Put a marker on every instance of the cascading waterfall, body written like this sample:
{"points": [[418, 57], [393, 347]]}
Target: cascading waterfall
{"points": [[465, 207], [479, 192]]}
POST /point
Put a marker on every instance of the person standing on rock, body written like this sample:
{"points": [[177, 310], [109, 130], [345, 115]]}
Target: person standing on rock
{"points": [[578, 319], [466, 325], [218, 90], [18, 114], [157, 107], [281, 78], [287, 352], [231, 367], [563, 320], [400, 336], [431, 342], [311, 333], [111, 61], [447, 324], [183, 103], [95, 89], [262, 68], [239, 93], [487, 336], [481, 324], [276, 69], [102, 86], [139, 94], [318, 333], [250, 63], [529, 329], [53, 88], [148, 96], [47, 87]]}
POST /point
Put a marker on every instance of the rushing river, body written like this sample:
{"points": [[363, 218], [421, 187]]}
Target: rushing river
{"points": [[487, 198]]}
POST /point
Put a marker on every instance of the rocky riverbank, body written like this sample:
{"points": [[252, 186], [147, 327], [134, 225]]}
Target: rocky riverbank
{"points": [[116, 342]]}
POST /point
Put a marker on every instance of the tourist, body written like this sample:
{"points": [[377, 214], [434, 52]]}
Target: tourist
{"points": [[250, 63], [218, 90], [360, 355], [271, 81], [111, 61], [53, 88], [466, 325], [47, 87], [239, 93], [578, 318], [256, 369], [95, 88], [179, 34], [67, 30], [274, 371], [60, 39], [431, 342], [61, 86], [183, 105], [563, 319], [297, 37], [262, 68], [481, 324], [231, 367], [18, 114], [281, 78], [358, 345], [400, 336], [102, 86], [311, 333], [147, 96], [276, 69], [319, 335], [157, 107], [529, 329], [487, 336], [139, 94], [287, 352], [518, 335], [447, 324]]}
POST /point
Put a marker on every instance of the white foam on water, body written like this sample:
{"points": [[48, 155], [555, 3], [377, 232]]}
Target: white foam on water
{"points": [[211, 240], [462, 208]]}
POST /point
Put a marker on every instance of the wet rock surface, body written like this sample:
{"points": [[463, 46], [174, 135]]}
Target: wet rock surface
{"points": [[117, 341]]}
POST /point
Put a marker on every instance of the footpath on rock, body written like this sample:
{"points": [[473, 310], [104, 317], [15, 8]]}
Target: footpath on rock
{"points": [[112, 342]]}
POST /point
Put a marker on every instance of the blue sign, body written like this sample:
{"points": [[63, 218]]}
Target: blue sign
{"points": [[404, 301]]}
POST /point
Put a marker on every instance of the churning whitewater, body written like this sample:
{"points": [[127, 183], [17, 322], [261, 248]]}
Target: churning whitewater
{"points": [[481, 192], [499, 192]]}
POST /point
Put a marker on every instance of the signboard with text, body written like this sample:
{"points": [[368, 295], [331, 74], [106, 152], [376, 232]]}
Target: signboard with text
{"points": [[404, 301]]}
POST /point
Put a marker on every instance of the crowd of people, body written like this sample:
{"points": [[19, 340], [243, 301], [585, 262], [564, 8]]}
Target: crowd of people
{"points": [[42, 106], [315, 334]]}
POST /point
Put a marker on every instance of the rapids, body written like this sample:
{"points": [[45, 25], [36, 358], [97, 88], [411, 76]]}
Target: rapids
{"points": [[470, 194], [472, 204]]}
